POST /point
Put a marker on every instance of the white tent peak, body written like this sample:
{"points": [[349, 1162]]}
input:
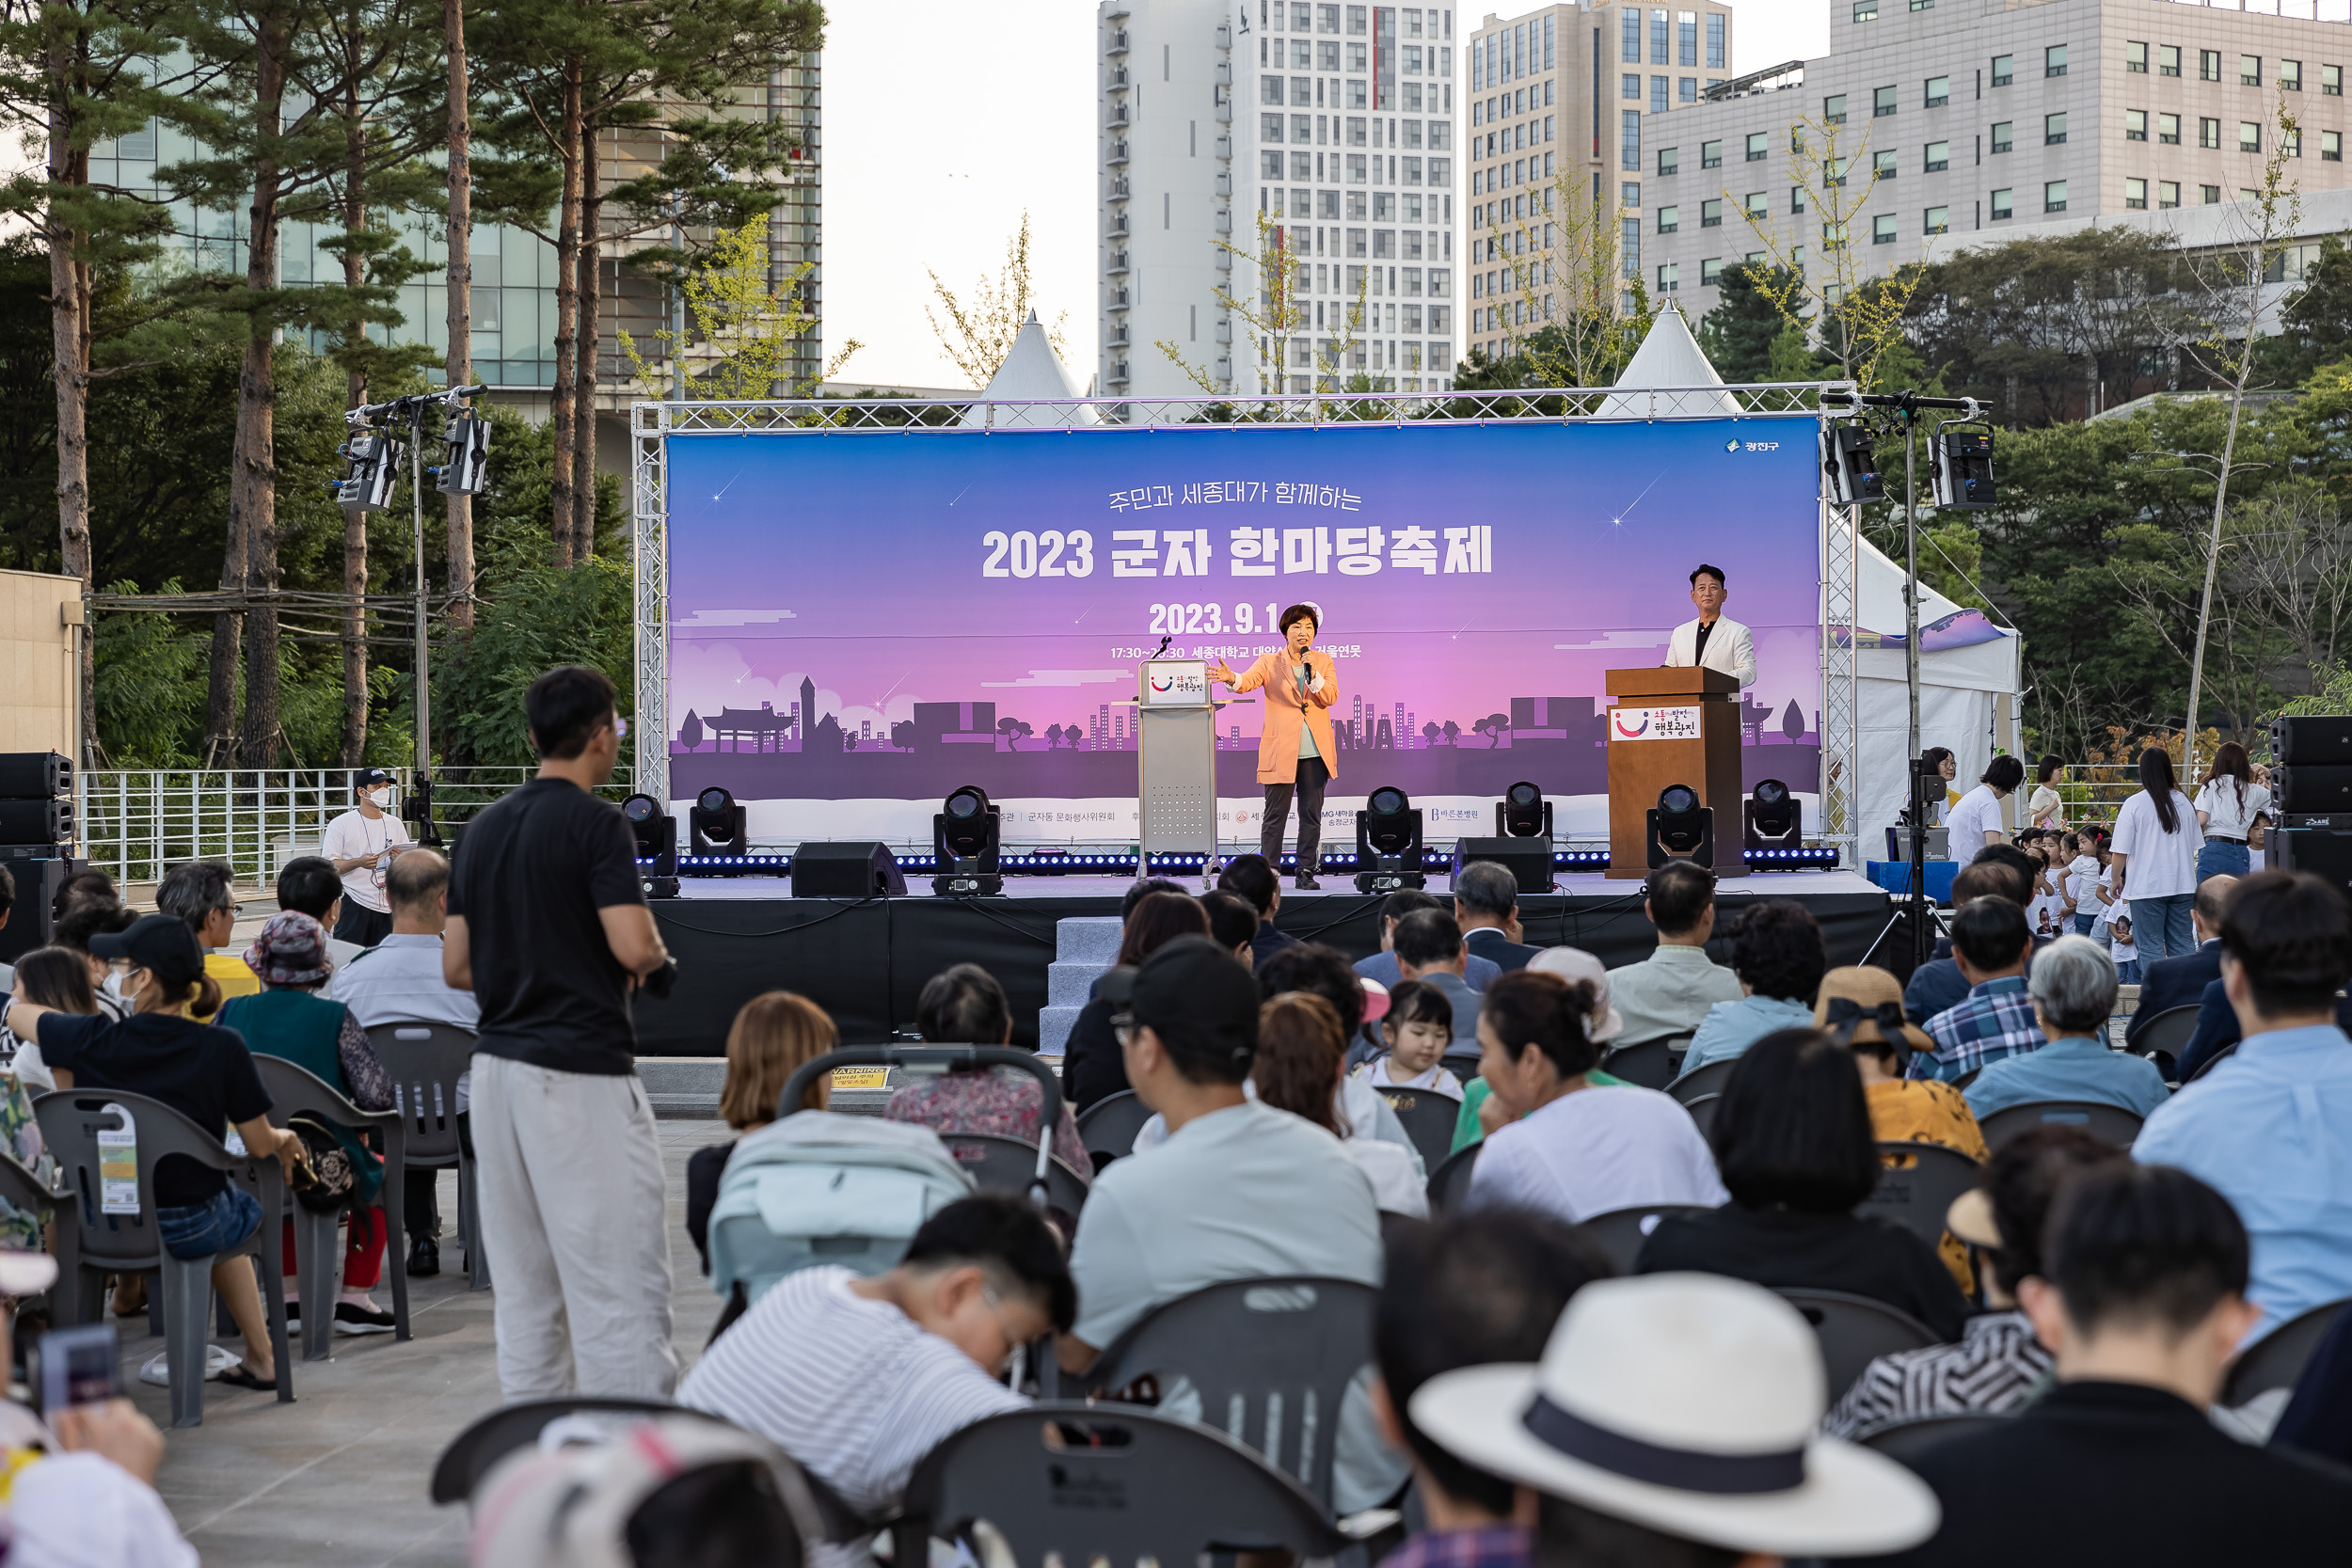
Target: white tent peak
{"points": [[1031, 372], [1669, 357]]}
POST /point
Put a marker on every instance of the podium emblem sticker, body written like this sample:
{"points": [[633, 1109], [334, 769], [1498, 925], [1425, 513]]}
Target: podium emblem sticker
{"points": [[1175, 681], [1654, 723]]}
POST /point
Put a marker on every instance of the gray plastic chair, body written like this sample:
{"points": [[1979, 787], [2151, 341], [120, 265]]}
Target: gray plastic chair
{"points": [[292, 1091], [1855, 1331], [1001, 1165], [1108, 1484], [1109, 1126], [425, 1060], [1906, 1442], [2109, 1123], [2277, 1359], [1916, 1192], [1429, 1117], [2168, 1031], [1709, 1079], [26, 1196], [1449, 1184], [1271, 1359], [1621, 1232], [1702, 1109], [71, 1121], [1649, 1064]]}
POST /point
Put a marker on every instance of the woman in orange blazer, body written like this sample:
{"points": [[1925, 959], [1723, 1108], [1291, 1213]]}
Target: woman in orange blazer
{"points": [[1295, 752]]}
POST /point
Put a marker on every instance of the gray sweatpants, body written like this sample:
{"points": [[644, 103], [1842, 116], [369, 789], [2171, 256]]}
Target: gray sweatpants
{"points": [[573, 1226]]}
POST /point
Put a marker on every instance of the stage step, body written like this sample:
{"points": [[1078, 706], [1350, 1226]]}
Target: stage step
{"points": [[1084, 947], [1087, 939]]}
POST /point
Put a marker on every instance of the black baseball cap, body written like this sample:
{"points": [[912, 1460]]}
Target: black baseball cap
{"points": [[368, 778], [162, 945], [1198, 999]]}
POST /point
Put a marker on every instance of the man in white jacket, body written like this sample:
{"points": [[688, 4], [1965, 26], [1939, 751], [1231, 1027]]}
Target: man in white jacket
{"points": [[1714, 640]]}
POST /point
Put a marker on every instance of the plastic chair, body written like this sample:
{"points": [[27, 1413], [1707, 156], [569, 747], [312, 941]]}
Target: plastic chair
{"points": [[1703, 1114], [1449, 1184], [1109, 1126], [1002, 1165], [1621, 1232], [2214, 1060], [294, 1090], [1906, 1442], [70, 1122], [1429, 1117], [1461, 1061], [2277, 1359], [1271, 1359], [1917, 1184], [1649, 1064], [935, 1059], [2109, 1123], [26, 1196], [2168, 1031], [425, 1060], [1855, 1331], [1702, 1080], [1108, 1483]]}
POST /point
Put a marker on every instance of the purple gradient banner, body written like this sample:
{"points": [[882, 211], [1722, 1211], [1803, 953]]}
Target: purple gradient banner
{"points": [[861, 622]]}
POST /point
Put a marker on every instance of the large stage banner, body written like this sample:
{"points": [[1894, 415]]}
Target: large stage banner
{"points": [[861, 622]]}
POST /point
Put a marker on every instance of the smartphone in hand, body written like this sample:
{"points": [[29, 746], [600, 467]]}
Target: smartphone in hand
{"points": [[77, 1365]]}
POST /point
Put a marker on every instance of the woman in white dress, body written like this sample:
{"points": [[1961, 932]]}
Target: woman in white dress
{"points": [[2154, 857], [2231, 810]]}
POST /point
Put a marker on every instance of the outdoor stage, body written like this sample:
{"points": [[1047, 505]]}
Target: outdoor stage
{"points": [[866, 961]]}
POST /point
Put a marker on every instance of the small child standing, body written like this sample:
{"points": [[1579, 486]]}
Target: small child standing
{"points": [[2124, 951], [1418, 1027]]}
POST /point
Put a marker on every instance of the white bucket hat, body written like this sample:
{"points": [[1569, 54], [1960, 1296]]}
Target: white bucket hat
{"points": [[1577, 967], [1685, 1403]]}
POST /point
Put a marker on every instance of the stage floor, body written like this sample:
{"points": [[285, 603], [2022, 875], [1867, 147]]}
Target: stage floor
{"points": [[1336, 884]]}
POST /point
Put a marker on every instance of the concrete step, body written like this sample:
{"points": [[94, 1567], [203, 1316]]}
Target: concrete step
{"points": [[1071, 983], [1052, 1031], [1087, 939]]}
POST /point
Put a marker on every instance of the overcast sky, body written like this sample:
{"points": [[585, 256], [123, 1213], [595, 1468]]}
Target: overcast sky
{"points": [[943, 120]]}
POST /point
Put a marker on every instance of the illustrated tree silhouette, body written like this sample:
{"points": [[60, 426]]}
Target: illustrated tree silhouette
{"points": [[1492, 727], [1792, 722], [1430, 731], [902, 734], [1452, 732], [1012, 730]]}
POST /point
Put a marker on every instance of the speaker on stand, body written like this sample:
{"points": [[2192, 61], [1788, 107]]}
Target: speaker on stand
{"points": [[2310, 781], [37, 833]]}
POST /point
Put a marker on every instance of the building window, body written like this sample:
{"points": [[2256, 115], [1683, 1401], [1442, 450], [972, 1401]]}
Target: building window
{"points": [[1686, 89], [1882, 165], [2169, 129], [2250, 135], [1758, 146], [1936, 221], [1629, 194], [1630, 38], [1757, 205], [2135, 125], [2209, 65], [1669, 159], [1882, 229], [1629, 248], [2168, 59], [2249, 70], [1629, 140], [1670, 220], [1669, 277], [1660, 45], [1687, 40], [1356, 242], [1710, 154], [2001, 135], [1882, 102], [1939, 157], [2136, 193], [2331, 81], [2209, 133], [1711, 213], [1796, 200], [2290, 75], [1657, 90], [2291, 143], [1629, 86], [2054, 60], [1834, 170], [1716, 49], [1710, 271], [2136, 58], [1939, 92], [2054, 196], [1866, 10], [2168, 194], [1833, 236], [2004, 70], [2331, 146], [2053, 130], [1834, 110], [2001, 204], [2209, 195]]}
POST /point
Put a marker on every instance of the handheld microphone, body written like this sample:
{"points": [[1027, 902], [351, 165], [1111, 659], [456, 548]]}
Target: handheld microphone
{"points": [[1163, 647]]}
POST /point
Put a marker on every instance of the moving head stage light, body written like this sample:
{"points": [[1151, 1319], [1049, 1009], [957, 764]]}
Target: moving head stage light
{"points": [[1680, 828], [965, 836], [1388, 843], [1853, 473], [719, 829], [1522, 841], [655, 832], [1774, 818]]}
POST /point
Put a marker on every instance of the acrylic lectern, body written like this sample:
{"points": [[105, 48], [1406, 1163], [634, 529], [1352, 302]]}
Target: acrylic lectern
{"points": [[1176, 761], [1673, 726]]}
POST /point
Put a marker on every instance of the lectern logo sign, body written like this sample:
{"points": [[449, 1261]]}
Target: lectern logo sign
{"points": [[1654, 723], [1180, 681]]}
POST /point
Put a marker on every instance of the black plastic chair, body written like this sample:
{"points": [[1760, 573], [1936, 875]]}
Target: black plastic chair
{"points": [[1855, 1331], [26, 1196], [1917, 1183], [292, 1091], [1703, 1114], [1040, 1184], [1109, 1126], [2169, 1032], [1461, 1061], [1621, 1232], [425, 1060], [1449, 1184], [1001, 1165], [1108, 1483], [1906, 1442], [1709, 1078], [2277, 1359], [1429, 1117], [71, 1121], [2213, 1061], [2109, 1123], [1271, 1359], [1651, 1064]]}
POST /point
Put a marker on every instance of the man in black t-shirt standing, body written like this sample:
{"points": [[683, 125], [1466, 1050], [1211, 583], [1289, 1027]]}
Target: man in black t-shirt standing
{"points": [[548, 927]]}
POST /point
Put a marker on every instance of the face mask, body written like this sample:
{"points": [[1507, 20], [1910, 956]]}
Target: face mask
{"points": [[380, 798]]}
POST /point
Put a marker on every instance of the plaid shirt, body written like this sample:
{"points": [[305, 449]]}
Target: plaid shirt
{"points": [[1485, 1546], [1995, 1019]]}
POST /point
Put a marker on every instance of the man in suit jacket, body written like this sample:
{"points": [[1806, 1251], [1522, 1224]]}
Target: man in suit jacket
{"points": [[2181, 982], [2217, 1028], [1487, 907], [1714, 640]]}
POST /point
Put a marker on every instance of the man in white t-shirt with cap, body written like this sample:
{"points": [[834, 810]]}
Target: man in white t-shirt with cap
{"points": [[361, 843]]}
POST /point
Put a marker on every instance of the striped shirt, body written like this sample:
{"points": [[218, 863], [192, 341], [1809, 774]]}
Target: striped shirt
{"points": [[1994, 1369], [850, 1388]]}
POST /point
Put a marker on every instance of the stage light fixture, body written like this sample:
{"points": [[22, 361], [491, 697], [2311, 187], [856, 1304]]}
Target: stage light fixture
{"points": [[1680, 828], [1774, 818], [655, 832], [1389, 842], [1960, 465], [466, 454], [964, 842], [719, 829], [1523, 813], [1847, 464], [372, 471]]}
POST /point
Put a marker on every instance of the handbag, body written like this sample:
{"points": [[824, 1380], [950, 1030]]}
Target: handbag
{"points": [[332, 1175]]}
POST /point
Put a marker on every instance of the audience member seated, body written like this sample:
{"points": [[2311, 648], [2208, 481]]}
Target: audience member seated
{"points": [[290, 1020], [1480, 1113], [201, 895], [2318, 1418], [54, 977], [1487, 907], [310, 885], [1999, 1364], [1938, 985], [1311, 967], [1995, 1019], [2142, 1307], [2181, 982], [1794, 1144], [963, 1004], [1670, 1424], [1480, 1290], [2072, 988], [1572, 1149], [1668, 992], [1238, 1190], [1091, 1069], [2217, 1030], [2268, 1127], [1233, 923], [773, 1035], [1429, 949], [204, 1073], [858, 1379], [1777, 954], [1381, 966], [1297, 1070], [1418, 1027], [87, 906], [1253, 880]]}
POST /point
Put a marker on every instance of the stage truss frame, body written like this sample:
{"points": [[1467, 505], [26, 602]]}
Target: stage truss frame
{"points": [[653, 423]]}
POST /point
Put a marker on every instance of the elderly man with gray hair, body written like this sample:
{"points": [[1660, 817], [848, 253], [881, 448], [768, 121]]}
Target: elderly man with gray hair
{"points": [[2072, 989]]}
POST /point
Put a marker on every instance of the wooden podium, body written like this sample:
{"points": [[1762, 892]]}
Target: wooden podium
{"points": [[1678, 726]]}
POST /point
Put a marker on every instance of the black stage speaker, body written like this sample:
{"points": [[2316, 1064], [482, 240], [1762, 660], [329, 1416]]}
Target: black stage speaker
{"points": [[2309, 789], [858, 869], [36, 822], [1529, 859], [2306, 739], [2325, 853], [31, 920], [34, 775]]}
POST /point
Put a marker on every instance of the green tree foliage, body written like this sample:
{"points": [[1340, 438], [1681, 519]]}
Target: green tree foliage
{"points": [[1739, 335]]}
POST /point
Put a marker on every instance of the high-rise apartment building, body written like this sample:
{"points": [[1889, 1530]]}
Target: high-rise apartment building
{"points": [[1241, 135]]}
